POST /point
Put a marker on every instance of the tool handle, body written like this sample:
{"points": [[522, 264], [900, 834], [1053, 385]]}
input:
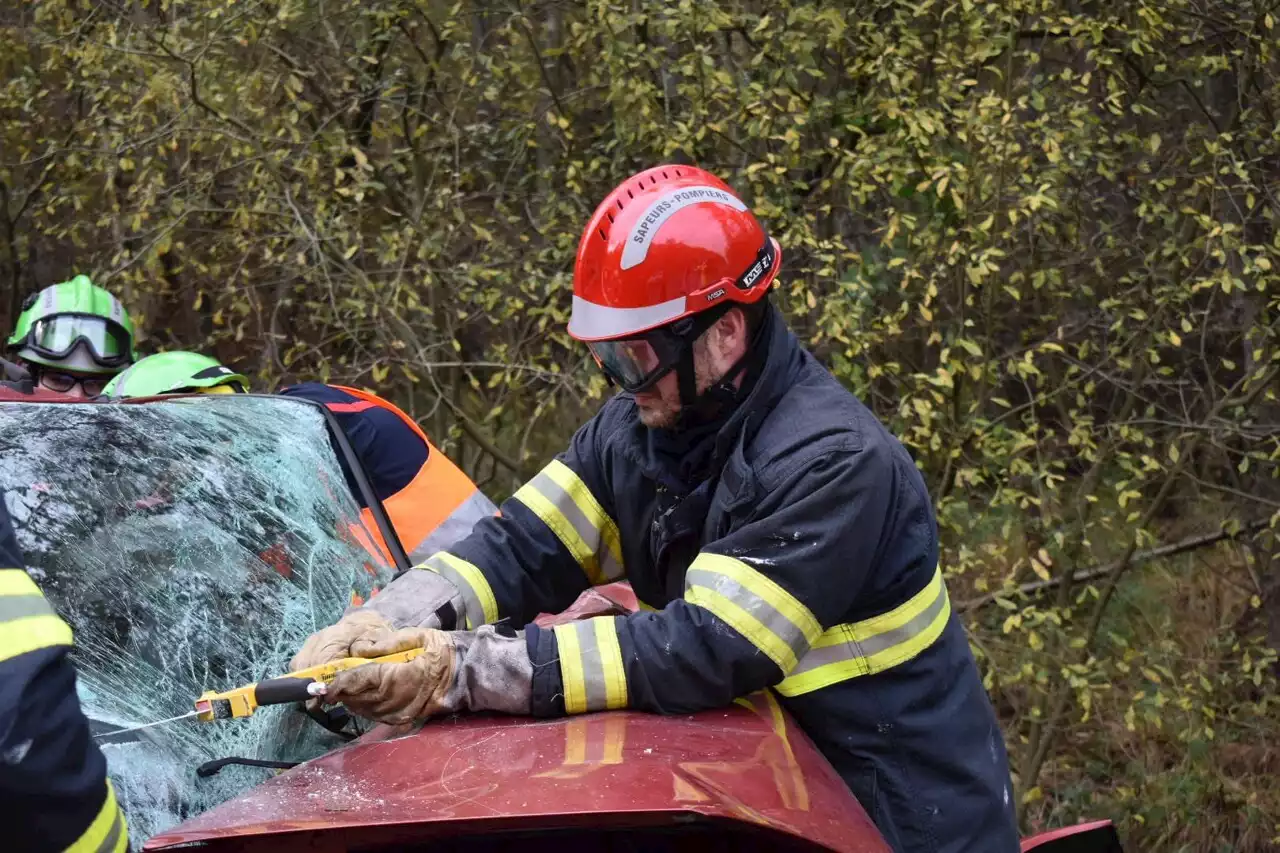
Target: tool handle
{"points": [[282, 691], [326, 671], [288, 689]]}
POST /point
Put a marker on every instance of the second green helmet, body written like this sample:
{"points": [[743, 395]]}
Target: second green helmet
{"points": [[74, 325], [175, 373]]}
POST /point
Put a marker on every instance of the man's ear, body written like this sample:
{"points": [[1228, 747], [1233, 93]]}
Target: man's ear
{"points": [[731, 338]]}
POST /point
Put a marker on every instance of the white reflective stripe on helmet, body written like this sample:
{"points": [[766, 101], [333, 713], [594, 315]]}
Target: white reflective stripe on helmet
{"points": [[590, 321], [663, 208]]}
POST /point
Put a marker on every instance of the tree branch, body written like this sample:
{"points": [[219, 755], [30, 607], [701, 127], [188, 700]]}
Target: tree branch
{"points": [[475, 434], [1186, 545]]}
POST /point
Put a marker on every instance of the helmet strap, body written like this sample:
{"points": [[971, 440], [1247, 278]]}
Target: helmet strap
{"points": [[688, 382], [724, 394]]}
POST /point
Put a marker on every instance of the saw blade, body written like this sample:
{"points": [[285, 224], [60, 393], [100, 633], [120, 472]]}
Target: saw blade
{"points": [[187, 716]]}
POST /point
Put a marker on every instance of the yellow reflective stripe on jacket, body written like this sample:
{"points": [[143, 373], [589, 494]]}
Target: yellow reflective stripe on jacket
{"points": [[107, 833], [564, 503], [757, 608], [27, 622], [17, 582], [482, 605], [873, 645], [591, 665]]}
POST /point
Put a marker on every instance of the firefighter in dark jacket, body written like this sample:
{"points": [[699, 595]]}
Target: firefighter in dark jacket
{"points": [[787, 537], [54, 791]]}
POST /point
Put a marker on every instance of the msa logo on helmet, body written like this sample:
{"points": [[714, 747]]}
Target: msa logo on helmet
{"points": [[715, 294], [663, 208]]}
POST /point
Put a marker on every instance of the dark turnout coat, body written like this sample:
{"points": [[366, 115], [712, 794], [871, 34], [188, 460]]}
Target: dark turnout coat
{"points": [[54, 791], [793, 548]]}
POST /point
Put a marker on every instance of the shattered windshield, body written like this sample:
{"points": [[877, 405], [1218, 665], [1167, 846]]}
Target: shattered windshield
{"points": [[192, 544]]}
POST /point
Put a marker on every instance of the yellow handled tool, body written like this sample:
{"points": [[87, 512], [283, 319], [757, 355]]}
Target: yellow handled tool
{"points": [[294, 687]]}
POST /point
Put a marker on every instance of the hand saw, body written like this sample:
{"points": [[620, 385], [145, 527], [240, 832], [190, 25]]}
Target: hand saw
{"points": [[295, 687]]}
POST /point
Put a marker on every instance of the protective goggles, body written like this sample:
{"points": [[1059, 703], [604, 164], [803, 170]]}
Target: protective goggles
{"points": [[56, 337], [637, 362]]}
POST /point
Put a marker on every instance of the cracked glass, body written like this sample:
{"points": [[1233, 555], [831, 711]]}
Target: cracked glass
{"points": [[192, 544]]}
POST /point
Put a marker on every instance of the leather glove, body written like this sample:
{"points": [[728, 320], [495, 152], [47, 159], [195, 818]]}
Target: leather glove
{"points": [[348, 637], [458, 671]]}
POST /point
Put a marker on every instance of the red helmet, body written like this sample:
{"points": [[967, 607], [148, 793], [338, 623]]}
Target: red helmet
{"points": [[667, 244]]}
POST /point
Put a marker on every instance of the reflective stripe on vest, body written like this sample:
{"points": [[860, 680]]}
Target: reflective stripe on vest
{"points": [[27, 621], [873, 645], [781, 627], [455, 528], [438, 491], [562, 500]]}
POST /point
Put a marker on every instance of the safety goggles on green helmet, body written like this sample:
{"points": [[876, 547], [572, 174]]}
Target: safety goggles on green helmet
{"points": [[74, 325], [54, 338]]}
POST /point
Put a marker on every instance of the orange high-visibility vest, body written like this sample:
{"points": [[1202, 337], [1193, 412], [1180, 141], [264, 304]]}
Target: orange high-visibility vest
{"points": [[436, 509]]}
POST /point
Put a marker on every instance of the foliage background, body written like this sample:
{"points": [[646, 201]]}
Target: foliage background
{"points": [[1037, 237]]}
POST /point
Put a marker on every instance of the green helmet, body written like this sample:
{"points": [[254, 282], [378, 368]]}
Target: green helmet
{"points": [[75, 325], [175, 373]]}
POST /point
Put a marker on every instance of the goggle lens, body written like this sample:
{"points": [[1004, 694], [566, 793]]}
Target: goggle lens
{"points": [[629, 363], [55, 337]]}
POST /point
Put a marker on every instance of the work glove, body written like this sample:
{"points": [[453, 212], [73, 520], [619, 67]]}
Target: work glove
{"points": [[457, 671], [358, 630], [412, 600]]}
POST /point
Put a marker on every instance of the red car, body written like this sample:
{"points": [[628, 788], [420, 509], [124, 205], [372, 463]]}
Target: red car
{"points": [[744, 776]]}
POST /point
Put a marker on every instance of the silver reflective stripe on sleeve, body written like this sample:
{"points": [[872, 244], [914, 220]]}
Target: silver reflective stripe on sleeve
{"points": [[873, 645], [562, 500], [27, 621], [773, 620], [14, 607], [481, 605], [591, 668]]}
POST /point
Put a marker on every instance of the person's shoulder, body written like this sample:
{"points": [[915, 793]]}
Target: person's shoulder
{"points": [[618, 410], [360, 419], [317, 391], [816, 418]]}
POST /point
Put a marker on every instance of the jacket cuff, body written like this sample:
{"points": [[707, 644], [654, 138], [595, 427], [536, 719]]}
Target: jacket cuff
{"points": [[492, 672], [548, 687], [416, 599]]}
